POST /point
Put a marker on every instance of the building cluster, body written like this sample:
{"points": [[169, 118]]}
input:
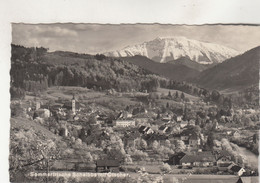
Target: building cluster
{"points": [[220, 159], [145, 124]]}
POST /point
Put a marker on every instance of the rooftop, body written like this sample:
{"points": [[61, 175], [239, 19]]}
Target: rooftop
{"points": [[198, 157]]}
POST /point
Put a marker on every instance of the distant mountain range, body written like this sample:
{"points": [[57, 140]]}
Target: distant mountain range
{"points": [[238, 73], [235, 73], [172, 48]]}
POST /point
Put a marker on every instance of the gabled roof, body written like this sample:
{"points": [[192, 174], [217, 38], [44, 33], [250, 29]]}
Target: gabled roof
{"points": [[146, 129], [239, 180], [199, 157], [235, 168], [247, 180], [169, 129], [141, 129], [141, 115], [179, 155], [162, 127]]}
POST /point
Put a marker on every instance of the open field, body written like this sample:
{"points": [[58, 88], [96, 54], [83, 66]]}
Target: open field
{"points": [[166, 91]]}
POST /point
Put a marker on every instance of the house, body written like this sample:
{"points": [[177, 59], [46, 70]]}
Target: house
{"points": [[178, 118], [141, 118], [199, 159], [217, 144], [148, 130], [175, 159], [236, 134], [191, 123], [145, 130], [141, 129], [224, 160], [194, 140], [166, 118], [222, 153], [185, 138], [165, 129], [107, 123], [107, 166], [185, 135], [228, 132], [124, 122], [124, 115], [235, 169], [100, 118], [183, 124], [42, 113]]}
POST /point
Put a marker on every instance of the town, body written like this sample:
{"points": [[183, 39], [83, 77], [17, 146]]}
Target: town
{"points": [[167, 108], [117, 132]]}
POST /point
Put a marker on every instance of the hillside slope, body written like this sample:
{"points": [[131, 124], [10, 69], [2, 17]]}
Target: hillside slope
{"points": [[175, 71], [191, 64], [239, 72]]}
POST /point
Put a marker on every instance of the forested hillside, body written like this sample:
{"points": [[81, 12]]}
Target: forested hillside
{"points": [[239, 72], [35, 69]]}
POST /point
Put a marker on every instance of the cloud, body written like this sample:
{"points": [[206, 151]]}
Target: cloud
{"points": [[54, 31], [98, 38]]}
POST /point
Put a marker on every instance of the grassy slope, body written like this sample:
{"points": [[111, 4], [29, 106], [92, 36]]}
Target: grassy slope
{"points": [[166, 91], [23, 123]]}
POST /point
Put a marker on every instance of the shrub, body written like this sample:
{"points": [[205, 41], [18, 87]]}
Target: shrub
{"points": [[165, 167]]}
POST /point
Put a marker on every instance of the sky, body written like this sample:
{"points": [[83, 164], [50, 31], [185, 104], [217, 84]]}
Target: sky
{"points": [[100, 38]]}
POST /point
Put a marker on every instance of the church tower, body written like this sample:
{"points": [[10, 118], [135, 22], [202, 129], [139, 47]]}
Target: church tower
{"points": [[73, 105]]}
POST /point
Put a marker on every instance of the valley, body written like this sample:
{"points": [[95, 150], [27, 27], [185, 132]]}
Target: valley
{"points": [[171, 109]]}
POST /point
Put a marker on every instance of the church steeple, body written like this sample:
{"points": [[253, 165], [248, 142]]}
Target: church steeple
{"points": [[73, 105]]}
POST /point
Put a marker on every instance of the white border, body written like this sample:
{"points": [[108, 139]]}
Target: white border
{"points": [[107, 11]]}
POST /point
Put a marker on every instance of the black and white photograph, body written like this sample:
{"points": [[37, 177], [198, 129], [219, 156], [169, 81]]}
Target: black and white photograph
{"points": [[134, 103], [126, 91]]}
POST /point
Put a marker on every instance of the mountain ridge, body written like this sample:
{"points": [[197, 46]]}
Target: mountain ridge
{"points": [[164, 49], [237, 72], [169, 70]]}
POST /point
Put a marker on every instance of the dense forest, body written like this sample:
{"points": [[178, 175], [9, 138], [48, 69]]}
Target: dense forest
{"points": [[36, 69]]}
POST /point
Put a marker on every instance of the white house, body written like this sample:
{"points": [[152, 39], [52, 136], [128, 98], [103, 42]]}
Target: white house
{"points": [[194, 140], [235, 169], [183, 124], [125, 122], [236, 134], [43, 113]]}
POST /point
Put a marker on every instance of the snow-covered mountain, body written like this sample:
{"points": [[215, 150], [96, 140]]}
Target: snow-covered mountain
{"points": [[163, 49]]}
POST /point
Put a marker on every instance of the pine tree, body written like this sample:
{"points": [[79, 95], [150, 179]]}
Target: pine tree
{"points": [[169, 94], [167, 105], [176, 94], [182, 95]]}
